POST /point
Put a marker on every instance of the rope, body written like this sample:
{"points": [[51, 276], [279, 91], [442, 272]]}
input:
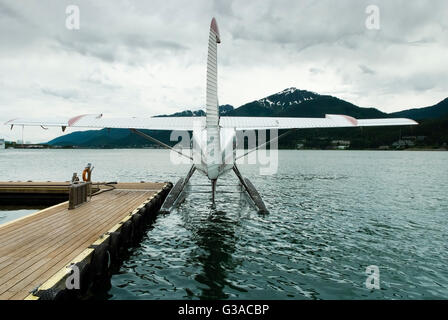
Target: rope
{"points": [[107, 184]]}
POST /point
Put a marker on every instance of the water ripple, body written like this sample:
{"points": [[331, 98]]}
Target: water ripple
{"points": [[332, 214]]}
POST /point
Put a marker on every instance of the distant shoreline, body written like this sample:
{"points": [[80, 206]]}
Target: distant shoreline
{"points": [[40, 147]]}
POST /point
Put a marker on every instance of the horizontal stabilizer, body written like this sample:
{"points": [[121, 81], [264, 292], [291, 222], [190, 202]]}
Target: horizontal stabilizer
{"points": [[99, 121], [330, 121], [190, 123]]}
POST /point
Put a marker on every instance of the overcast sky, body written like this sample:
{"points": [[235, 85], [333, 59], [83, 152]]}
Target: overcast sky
{"points": [[149, 57]]}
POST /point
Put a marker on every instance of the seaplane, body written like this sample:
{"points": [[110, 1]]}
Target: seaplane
{"points": [[213, 133]]}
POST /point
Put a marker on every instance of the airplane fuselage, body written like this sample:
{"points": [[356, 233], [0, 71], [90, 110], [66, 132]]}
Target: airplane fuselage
{"points": [[214, 159]]}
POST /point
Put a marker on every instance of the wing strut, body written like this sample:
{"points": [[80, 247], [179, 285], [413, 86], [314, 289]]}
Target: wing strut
{"points": [[262, 145]]}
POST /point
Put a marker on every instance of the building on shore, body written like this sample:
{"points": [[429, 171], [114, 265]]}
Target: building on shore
{"points": [[401, 144], [340, 144]]}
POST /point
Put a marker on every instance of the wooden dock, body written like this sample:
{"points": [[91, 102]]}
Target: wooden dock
{"points": [[36, 250], [35, 193]]}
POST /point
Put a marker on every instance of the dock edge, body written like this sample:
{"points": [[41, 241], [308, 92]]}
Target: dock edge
{"points": [[55, 287]]}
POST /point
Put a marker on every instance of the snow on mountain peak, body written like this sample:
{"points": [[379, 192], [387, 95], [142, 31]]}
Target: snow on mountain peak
{"points": [[287, 98], [288, 90]]}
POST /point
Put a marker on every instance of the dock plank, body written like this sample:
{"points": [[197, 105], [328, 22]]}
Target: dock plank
{"points": [[62, 237], [34, 248], [59, 217], [70, 249]]}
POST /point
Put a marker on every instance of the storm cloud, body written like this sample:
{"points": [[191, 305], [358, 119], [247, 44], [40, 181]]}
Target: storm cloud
{"points": [[149, 57]]}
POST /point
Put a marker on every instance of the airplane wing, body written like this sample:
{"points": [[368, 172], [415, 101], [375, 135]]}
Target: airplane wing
{"points": [[330, 121], [99, 121], [190, 123]]}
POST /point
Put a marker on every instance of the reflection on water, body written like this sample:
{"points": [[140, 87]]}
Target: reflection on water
{"points": [[216, 237], [332, 214]]}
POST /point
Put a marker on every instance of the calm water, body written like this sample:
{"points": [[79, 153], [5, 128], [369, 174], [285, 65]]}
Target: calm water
{"points": [[333, 213]]}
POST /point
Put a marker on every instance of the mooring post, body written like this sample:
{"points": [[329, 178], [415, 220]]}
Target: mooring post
{"points": [[79, 193]]}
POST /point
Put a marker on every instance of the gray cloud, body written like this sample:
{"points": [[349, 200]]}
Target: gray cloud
{"points": [[7, 12], [139, 57], [366, 69], [315, 70], [61, 93]]}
